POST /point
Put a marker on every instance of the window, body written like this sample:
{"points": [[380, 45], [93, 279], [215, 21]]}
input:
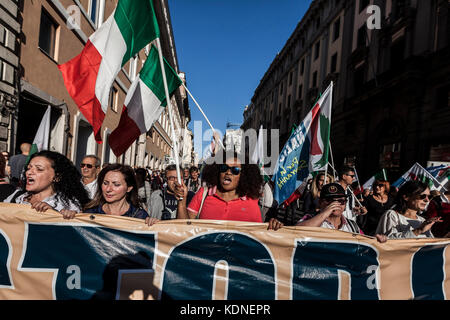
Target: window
{"points": [[333, 63], [281, 88], [48, 34], [314, 79], [443, 97], [362, 33], [300, 91], [363, 4], [289, 101], [359, 77], [317, 50], [317, 23], [113, 97], [336, 29], [290, 78]]}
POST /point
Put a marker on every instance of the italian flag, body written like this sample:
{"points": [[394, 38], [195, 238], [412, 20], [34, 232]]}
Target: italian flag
{"points": [[42, 136], [319, 133], [144, 102], [89, 76]]}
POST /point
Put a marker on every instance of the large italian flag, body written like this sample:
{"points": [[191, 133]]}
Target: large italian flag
{"points": [[144, 103], [320, 131], [89, 76]]}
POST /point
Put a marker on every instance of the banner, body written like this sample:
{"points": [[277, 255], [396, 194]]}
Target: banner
{"points": [[43, 256]]}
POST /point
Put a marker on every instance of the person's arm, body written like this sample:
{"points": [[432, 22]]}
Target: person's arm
{"points": [[182, 212], [319, 218]]}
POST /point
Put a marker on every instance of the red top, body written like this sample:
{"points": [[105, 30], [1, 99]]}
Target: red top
{"points": [[215, 208]]}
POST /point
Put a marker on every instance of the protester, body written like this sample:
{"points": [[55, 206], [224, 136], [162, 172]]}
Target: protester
{"points": [[17, 163], [377, 204], [352, 208], [7, 167], [90, 167], [440, 207], [232, 193], [5, 187], [193, 182], [311, 197], [52, 182], [186, 176], [164, 203], [144, 188], [117, 194], [404, 221], [332, 203]]}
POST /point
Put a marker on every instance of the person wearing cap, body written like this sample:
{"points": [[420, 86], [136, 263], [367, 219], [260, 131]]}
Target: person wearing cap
{"points": [[332, 203]]}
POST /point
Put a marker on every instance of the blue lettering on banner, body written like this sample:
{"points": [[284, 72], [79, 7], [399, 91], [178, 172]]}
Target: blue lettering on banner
{"points": [[428, 272], [316, 265], [98, 252], [5, 258], [189, 271]]}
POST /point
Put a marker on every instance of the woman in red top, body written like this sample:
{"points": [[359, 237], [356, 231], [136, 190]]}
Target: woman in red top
{"points": [[233, 192]]}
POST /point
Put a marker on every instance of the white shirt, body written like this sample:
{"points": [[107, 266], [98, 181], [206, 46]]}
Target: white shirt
{"points": [[396, 226], [91, 188], [52, 201]]}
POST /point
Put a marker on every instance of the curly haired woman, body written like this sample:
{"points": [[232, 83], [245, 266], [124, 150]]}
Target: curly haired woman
{"points": [[52, 182], [233, 192]]}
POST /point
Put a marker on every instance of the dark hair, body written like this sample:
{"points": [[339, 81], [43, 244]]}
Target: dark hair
{"points": [[141, 174], [193, 169], [2, 166], [130, 179], [250, 180], [344, 170], [386, 184], [67, 182], [409, 189]]}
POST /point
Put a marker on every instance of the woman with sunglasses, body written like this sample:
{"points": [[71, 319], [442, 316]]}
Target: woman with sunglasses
{"points": [[376, 203], [234, 189], [311, 198], [404, 221]]}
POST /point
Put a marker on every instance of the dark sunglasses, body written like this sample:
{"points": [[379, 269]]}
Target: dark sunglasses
{"points": [[88, 165], [380, 185], [423, 196], [234, 170], [351, 175], [341, 201]]}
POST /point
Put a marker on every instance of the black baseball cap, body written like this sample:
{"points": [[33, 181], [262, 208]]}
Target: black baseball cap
{"points": [[332, 190]]}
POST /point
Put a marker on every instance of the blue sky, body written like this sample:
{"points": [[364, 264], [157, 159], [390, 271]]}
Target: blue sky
{"points": [[225, 47]]}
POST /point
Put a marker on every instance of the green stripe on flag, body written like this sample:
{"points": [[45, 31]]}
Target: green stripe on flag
{"points": [[137, 23], [151, 76]]}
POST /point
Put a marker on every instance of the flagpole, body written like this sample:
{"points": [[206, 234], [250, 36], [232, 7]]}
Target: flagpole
{"points": [[204, 115], [329, 142], [357, 178], [169, 106]]}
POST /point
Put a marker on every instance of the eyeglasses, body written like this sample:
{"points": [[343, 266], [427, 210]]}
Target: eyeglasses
{"points": [[380, 185], [423, 196], [88, 165], [351, 175], [234, 170], [173, 178]]}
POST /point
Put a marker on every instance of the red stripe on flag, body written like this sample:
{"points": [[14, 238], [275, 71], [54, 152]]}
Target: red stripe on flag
{"points": [[315, 148], [80, 76], [124, 135]]}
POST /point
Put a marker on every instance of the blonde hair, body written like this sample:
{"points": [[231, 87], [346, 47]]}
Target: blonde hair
{"points": [[314, 188]]}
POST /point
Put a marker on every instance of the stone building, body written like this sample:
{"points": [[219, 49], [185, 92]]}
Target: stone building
{"points": [[9, 65], [391, 95], [47, 39]]}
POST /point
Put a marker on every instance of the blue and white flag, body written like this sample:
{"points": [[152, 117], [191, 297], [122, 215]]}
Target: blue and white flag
{"points": [[306, 149], [417, 172]]}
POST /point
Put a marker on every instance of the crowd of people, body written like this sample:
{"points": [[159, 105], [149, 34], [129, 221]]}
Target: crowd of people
{"points": [[230, 190]]}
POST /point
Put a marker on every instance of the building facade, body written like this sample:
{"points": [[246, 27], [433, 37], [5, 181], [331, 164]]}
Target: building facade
{"points": [[10, 29], [48, 38], [391, 86]]}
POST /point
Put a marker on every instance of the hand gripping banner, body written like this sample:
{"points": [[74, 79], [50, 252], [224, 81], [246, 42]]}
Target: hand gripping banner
{"points": [[43, 256]]}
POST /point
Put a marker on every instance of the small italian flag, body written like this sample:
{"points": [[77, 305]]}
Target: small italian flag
{"points": [[42, 136], [144, 102], [89, 76]]}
